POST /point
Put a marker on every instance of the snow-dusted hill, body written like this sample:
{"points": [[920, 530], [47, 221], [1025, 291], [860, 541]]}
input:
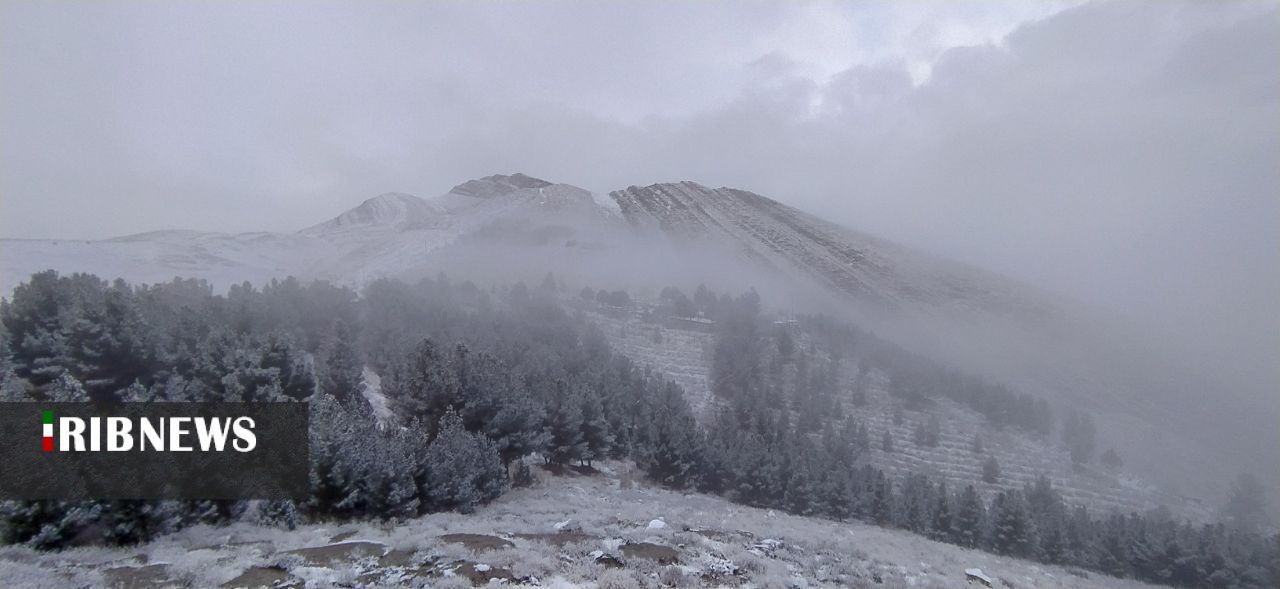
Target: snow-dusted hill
{"points": [[866, 268], [389, 235]]}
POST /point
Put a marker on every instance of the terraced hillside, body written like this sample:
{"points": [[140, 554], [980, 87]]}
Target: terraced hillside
{"points": [[682, 354], [679, 354], [1022, 457]]}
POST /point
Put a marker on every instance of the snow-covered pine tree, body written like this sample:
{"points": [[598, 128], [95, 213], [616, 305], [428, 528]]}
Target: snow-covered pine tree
{"points": [[463, 469], [564, 428], [991, 470], [1012, 529], [517, 427], [883, 501], [970, 518], [596, 437], [942, 527], [340, 367], [671, 449], [66, 389], [12, 388]]}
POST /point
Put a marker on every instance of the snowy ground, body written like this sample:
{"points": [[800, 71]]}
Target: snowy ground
{"points": [[570, 531]]}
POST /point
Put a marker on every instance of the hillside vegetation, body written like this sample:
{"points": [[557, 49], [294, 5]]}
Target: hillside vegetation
{"points": [[483, 383]]}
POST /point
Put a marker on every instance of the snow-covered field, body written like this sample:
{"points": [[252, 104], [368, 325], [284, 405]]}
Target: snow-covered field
{"points": [[565, 531]]}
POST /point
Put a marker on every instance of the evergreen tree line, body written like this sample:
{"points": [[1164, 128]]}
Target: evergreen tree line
{"points": [[761, 459], [758, 451], [477, 381]]}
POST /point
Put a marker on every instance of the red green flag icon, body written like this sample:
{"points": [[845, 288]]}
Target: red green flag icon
{"points": [[46, 417]]}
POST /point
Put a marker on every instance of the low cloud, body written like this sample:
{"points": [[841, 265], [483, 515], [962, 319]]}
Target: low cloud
{"points": [[1122, 153]]}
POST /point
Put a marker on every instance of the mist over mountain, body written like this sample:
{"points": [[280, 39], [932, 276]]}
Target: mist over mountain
{"points": [[500, 228], [1003, 275]]}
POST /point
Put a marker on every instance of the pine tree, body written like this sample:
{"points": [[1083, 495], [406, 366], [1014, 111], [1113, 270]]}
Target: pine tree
{"points": [[990, 470], [800, 491], [340, 368], [1049, 514], [1012, 530], [1111, 459], [886, 442], [549, 284], [82, 325], [883, 501], [463, 468], [942, 528], [915, 502], [10, 388], [970, 518], [671, 450], [565, 443], [66, 389], [424, 385], [46, 525], [517, 426], [597, 439], [860, 385]]}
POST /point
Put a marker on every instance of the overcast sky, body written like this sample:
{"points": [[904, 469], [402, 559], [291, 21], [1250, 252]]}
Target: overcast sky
{"points": [[1124, 153]]}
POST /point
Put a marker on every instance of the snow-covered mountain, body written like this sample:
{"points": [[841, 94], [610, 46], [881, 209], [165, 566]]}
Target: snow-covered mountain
{"points": [[507, 227], [393, 234], [874, 271], [398, 234], [390, 211]]}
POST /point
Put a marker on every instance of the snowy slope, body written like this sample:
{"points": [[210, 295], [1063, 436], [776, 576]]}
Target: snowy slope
{"points": [[224, 259], [389, 235], [874, 271], [398, 234]]}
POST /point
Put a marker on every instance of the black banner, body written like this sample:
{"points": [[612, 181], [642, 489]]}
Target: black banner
{"points": [[74, 451]]}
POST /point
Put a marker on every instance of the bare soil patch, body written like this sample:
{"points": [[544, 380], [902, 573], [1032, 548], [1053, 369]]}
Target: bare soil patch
{"points": [[651, 551], [559, 538], [477, 542], [341, 552], [139, 577], [270, 577]]}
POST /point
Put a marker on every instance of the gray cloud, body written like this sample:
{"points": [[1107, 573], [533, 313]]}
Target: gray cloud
{"points": [[1123, 153]]}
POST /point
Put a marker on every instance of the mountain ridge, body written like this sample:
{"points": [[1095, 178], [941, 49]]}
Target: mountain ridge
{"points": [[518, 227], [394, 233]]}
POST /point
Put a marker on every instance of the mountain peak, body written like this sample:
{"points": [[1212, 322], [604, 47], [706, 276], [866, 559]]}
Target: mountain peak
{"points": [[390, 209], [498, 185]]}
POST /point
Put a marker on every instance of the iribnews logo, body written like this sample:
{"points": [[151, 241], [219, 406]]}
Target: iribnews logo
{"points": [[145, 434]]}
